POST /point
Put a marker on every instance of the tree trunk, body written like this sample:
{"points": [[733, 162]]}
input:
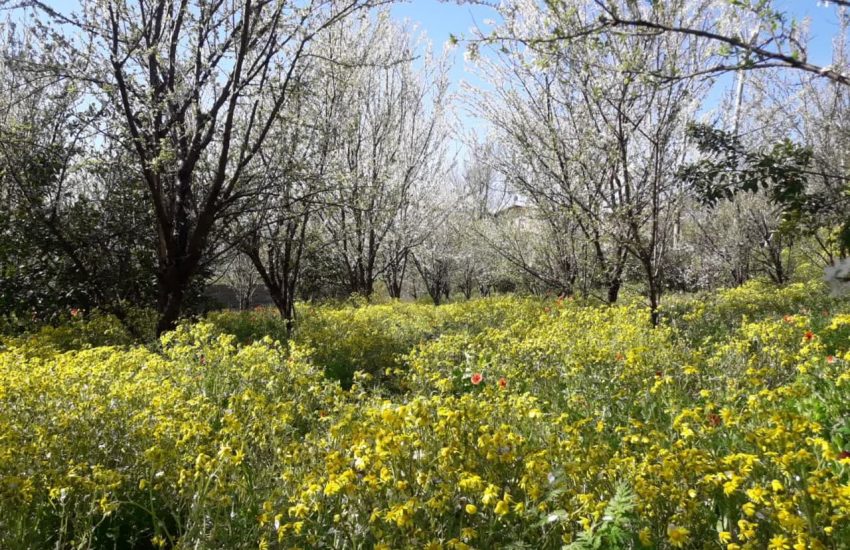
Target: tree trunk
{"points": [[281, 284], [654, 299], [467, 286], [614, 290], [171, 296], [394, 276], [653, 290], [180, 255], [285, 304]]}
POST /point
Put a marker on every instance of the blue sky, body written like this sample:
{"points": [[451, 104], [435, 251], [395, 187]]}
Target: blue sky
{"points": [[824, 26], [442, 19], [439, 19]]}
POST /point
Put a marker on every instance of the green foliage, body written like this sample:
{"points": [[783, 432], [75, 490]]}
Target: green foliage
{"points": [[728, 168], [62, 249], [81, 330], [249, 326], [495, 423], [614, 531], [354, 336]]}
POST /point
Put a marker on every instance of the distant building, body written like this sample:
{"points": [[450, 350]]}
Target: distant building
{"points": [[519, 213]]}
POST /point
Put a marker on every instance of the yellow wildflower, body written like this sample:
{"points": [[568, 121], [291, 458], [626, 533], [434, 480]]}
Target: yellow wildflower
{"points": [[677, 536]]}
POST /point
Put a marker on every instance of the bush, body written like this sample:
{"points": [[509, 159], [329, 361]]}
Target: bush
{"points": [[249, 326], [355, 336], [510, 423], [109, 446], [83, 331], [711, 315], [375, 339]]}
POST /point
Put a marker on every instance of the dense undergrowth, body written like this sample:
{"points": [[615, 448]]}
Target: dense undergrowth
{"points": [[494, 423]]}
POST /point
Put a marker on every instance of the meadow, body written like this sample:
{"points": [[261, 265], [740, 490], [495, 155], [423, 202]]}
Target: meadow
{"points": [[502, 422]]}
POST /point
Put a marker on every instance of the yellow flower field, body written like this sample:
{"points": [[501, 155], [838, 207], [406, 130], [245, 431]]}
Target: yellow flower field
{"points": [[502, 422]]}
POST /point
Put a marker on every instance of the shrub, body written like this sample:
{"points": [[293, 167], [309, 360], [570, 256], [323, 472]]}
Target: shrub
{"points": [[109, 446], [511, 423], [375, 338], [84, 331], [711, 315], [249, 326]]}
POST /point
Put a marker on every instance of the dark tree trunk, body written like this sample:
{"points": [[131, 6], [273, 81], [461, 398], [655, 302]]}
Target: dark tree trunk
{"points": [[180, 265], [436, 279], [361, 283], [614, 290], [654, 295], [171, 294], [285, 304], [654, 315], [467, 284], [394, 276]]}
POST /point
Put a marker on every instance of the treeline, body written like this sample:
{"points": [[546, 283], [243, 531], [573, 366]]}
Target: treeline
{"points": [[147, 150]]}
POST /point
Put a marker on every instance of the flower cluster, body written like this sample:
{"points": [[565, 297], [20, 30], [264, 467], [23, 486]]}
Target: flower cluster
{"points": [[539, 425]]}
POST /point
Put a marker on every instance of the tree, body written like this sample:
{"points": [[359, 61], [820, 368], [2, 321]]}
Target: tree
{"points": [[434, 264], [193, 89], [597, 143], [274, 234], [777, 42], [727, 169], [481, 192], [744, 36], [242, 277], [72, 225], [389, 144], [738, 37]]}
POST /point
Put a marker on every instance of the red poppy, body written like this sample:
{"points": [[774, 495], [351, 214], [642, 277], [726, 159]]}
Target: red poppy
{"points": [[830, 359], [503, 383], [843, 454], [714, 419], [809, 335], [476, 378]]}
